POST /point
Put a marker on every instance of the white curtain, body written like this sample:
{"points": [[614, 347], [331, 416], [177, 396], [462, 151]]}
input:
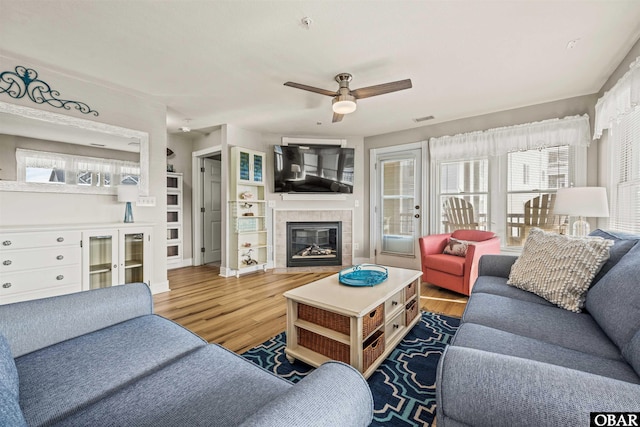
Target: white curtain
{"points": [[619, 101], [572, 131]]}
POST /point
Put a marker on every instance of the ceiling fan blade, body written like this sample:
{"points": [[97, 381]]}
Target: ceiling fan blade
{"points": [[311, 89], [366, 92], [337, 117]]}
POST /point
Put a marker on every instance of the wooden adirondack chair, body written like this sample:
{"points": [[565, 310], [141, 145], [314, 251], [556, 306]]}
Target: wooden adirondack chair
{"points": [[459, 215], [538, 212]]}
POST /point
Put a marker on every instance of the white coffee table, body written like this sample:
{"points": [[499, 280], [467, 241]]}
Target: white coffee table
{"points": [[371, 321]]}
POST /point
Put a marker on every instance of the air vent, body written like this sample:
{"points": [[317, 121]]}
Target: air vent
{"points": [[423, 119], [97, 145]]}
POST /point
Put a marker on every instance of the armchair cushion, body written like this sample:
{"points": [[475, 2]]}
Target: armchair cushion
{"points": [[445, 263]]}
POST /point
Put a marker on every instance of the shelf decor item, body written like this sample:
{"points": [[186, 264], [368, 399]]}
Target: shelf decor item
{"points": [[363, 275]]}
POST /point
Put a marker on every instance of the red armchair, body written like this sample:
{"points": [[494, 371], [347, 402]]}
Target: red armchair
{"points": [[453, 272]]}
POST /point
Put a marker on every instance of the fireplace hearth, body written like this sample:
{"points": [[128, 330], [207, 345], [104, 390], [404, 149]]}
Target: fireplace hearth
{"points": [[314, 243]]}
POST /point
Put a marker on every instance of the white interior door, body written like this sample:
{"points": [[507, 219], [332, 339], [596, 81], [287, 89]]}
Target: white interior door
{"points": [[398, 208], [212, 211]]}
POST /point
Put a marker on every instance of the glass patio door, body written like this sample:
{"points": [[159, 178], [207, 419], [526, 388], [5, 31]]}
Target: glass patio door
{"points": [[398, 208]]}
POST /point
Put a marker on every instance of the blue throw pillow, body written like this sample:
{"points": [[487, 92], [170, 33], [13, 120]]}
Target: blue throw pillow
{"points": [[613, 302], [8, 370], [622, 243]]}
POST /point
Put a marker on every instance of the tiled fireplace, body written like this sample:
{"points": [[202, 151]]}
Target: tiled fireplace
{"points": [[323, 220], [312, 244]]}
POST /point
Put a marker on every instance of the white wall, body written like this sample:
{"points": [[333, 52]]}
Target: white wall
{"points": [[115, 106]]}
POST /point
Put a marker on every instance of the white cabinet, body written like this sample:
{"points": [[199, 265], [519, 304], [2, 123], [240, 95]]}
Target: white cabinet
{"points": [[115, 256], [174, 220], [39, 264], [247, 211], [45, 261]]}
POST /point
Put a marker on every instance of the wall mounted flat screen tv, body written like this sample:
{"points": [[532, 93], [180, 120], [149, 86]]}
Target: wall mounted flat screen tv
{"points": [[313, 169]]}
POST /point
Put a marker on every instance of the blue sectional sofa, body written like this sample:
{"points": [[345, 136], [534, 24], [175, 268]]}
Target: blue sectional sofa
{"points": [[102, 358], [519, 360]]}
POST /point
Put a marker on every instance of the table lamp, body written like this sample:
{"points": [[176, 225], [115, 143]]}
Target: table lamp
{"points": [[582, 202], [127, 194]]}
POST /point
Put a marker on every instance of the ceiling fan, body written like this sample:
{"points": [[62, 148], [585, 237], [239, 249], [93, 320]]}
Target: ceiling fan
{"points": [[344, 99]]}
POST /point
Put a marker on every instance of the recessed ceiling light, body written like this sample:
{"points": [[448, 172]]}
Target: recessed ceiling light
{"points": [[423, 119]]}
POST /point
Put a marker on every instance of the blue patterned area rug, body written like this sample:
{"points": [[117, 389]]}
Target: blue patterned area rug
{"points": [[403, 386]]}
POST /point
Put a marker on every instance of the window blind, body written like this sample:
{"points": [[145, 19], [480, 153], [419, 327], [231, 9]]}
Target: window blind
{"points": [[625, 173]]}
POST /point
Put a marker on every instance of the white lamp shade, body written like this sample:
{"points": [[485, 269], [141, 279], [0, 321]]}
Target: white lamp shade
{"points": [[582, 201], [295, 168], [127, 193]]}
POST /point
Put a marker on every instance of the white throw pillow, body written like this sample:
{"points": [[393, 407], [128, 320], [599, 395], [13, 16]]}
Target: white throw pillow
{"points": [[559, 268]]}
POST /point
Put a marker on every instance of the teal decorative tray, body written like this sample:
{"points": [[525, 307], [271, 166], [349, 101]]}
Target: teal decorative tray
{"points": [[363, 275]]}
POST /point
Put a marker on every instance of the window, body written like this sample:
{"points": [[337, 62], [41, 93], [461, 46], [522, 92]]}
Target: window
{"points": [[64, 169], [463, 194], [533, 176], [625, 174], [499, 170]]}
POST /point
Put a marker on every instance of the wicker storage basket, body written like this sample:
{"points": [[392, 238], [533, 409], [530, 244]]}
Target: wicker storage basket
{"points": [[412, 311], [335, 322], [373, 348], [410, 290], [372, 320], [326, 346]]}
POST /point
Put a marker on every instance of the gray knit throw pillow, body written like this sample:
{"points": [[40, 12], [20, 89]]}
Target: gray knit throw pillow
{"points": [[559, 268]]}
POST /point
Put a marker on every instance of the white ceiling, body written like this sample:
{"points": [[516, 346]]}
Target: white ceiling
{"points": [[218, 62]]}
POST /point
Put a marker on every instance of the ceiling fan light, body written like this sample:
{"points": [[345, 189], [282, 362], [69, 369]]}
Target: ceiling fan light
{"points": [[344, 104]]}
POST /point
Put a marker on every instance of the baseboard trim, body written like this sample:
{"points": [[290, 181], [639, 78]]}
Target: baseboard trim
{"points": [[160, 287], [179, 264]]}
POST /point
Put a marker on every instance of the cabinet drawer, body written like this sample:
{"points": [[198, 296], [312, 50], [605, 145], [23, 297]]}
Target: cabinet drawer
{"points": [[394, 303], [36, 280], [10, 241], [394, 326], [39, 258], [44, 293]]}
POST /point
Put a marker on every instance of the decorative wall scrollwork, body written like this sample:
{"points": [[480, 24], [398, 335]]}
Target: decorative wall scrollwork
{"points": [[24, 81]]}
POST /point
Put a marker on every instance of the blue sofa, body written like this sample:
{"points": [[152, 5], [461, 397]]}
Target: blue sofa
{"points": [[102, 358], [519, 360]]}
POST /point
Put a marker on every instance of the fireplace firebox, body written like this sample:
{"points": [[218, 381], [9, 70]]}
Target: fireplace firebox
{"points": [[314, 244]]}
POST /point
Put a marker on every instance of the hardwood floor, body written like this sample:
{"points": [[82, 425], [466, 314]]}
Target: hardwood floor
{"points": [[240, 313]]}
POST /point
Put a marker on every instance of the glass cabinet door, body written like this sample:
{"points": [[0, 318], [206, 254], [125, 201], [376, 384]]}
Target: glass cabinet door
{"points": [[258, 164], [133, 257], [250, 166], [102, 261]]}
